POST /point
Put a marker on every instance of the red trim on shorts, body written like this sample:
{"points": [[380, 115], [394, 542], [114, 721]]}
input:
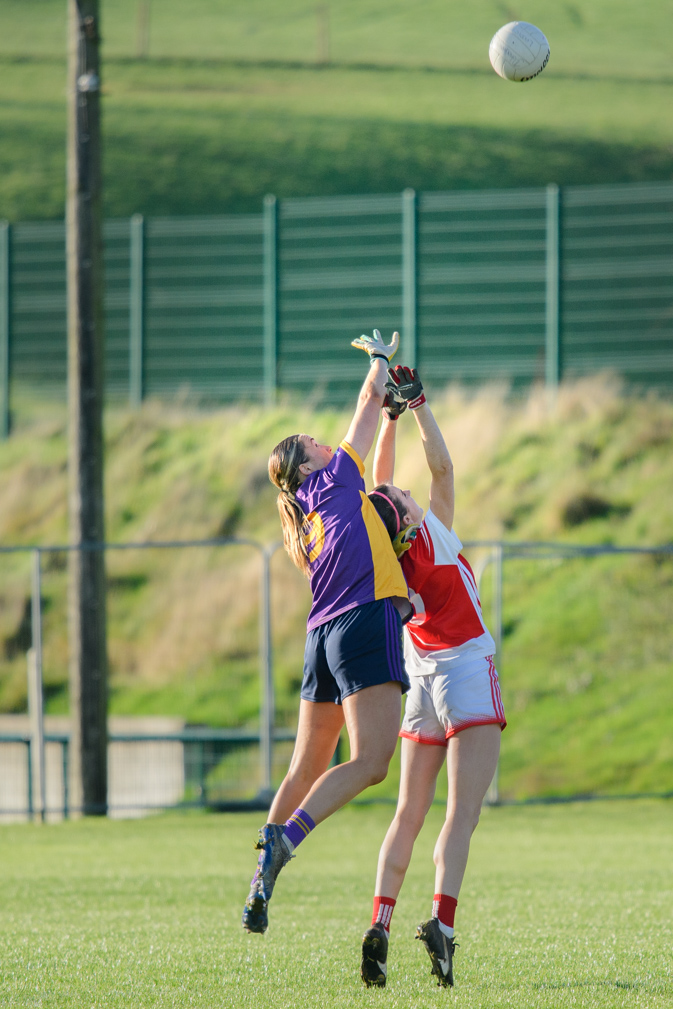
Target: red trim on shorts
{"points": [[495, 689], [418, 738], [471, 725]]}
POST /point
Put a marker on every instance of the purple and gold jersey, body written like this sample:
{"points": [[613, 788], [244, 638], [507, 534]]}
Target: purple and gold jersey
{"points": [[351, 556]]}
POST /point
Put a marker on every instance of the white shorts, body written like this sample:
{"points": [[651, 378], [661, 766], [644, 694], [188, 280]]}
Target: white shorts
{"points": [[443, 704]]}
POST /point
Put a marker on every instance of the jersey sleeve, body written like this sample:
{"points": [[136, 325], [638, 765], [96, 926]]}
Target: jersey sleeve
{"points": [[346, 468]]}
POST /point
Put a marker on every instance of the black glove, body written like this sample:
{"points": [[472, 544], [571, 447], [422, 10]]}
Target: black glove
{"points": [[393, 406], [405, 384]]}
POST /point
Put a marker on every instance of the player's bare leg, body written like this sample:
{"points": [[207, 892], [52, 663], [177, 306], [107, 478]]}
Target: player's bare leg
{"points": [[372, 719], [318, 730], [471, 762], [421, 764], [317, 736], [472, 756]]}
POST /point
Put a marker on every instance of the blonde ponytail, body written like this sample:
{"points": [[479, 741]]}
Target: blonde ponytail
{"points": [[284, 463]]}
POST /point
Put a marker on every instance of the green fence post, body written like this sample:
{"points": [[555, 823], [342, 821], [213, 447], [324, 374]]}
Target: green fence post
{"points": [[136, 309], [553, 360], [409, 277], [270, 252], [5, 293]]}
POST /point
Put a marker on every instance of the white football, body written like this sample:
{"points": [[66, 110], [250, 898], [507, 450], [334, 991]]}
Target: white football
{"points": [[518, 51]]}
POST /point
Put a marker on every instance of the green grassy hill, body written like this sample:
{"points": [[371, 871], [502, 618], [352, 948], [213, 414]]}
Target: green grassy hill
{"points": [[233, 101], [586, 663]]}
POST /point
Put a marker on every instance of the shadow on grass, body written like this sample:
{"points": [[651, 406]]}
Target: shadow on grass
{"points": [[357, 66], [202, 162]]}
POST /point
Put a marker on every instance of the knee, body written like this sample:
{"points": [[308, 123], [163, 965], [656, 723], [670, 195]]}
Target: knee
{"points": [[461, 821], [465, 816], [409, 820], [378, 772], [375, 768], [470, 816], [305, 773]]}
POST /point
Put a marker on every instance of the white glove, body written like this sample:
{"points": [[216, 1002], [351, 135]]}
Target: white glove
{"points": [[375, 347]]}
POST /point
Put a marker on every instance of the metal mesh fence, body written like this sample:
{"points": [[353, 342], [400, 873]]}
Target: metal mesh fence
{"points": [[340, 268], [203, 306], [37, 339], [511, 285], [618, 280], [482, 285], [116, 236]]}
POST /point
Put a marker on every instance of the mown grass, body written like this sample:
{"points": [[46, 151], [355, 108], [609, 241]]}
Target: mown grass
{"points": [[585, 665], [231, 105], [598, 37], [561, 906]]}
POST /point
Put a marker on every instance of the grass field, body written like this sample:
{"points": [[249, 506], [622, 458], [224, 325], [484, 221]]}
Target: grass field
{"points": [[230, 103], [561, 906], [592, 38]]}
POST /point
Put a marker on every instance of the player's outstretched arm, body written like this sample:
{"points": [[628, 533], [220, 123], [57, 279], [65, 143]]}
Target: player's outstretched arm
{"points": [[406, 384], [384, 456], [362, 429], [383, 470], [442, 497]]}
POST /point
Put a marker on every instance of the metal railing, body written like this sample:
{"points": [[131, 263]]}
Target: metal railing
{"points": [[186, 758], [267, 733]]}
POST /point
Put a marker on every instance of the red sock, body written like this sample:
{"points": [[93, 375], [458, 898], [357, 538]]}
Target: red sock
{"points": [[444, 908], [383, 911]]}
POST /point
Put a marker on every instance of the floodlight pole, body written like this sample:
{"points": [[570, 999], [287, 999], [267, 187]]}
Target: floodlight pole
{"points": [[86, 590]]}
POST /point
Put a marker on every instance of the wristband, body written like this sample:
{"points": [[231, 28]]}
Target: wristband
{"points": [[376, 354], [419, 401]]}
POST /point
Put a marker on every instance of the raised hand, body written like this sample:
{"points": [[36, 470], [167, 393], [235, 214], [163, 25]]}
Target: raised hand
{"points": [[393, 406], [405, 384], [375, 347]]}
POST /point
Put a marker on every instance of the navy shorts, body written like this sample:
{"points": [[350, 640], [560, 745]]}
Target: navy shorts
{"points": [[360, 648]]}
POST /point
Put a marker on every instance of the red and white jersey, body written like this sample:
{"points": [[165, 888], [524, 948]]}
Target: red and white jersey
{"points": [[448, 626]]}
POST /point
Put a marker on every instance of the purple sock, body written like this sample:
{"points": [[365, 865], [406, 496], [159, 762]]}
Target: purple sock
{"points": [[298, 827]]}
